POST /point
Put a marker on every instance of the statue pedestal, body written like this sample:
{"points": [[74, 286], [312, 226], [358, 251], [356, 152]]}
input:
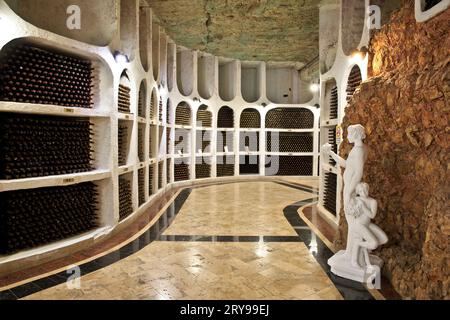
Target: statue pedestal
{"points": [[341, 266]]}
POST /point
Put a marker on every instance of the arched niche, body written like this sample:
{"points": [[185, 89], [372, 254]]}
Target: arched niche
{"points": [[155, 50], [168, 111], [99, 20], [128, 28], [225, 117], [185, 70], [227, 79], [142, 99], [171, 63], [163, 58], [124, 103], [353, 82], [250, 118], [329, 35], [153, 105], [206, 71], [183, 114], [251, 81], [331, 100], [283, 84], [204, 117], [290, 118], [144, 35], [352, 19]]}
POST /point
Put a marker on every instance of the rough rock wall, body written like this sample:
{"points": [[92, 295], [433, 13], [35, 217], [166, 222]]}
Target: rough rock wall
{"points": [[404, 106]]}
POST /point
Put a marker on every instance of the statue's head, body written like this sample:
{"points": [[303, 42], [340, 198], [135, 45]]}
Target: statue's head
{"points": [[362, 189], [356, 132]]}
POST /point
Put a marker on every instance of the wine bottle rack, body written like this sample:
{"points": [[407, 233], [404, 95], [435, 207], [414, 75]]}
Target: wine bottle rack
{"points": [[183, 115], [430, 4], [142, 100], [332, 141], [354, 80], [334, 103], [329, 193], [31, 218], [249, 164], [182, 141], [141, 186], [202, 168], [37, 146], [125, 198], [204, 118], [124, 99], [168, 131], [203, 141], [151, 153], [33, 74], [141, 142], [182, 171], [250, 118], [168, 112], [225, 118], [225, 139], [151, 175], [249, 139], [290, 118], [123, 143], [225, 166], [160, 111], [152, 107], [168, 168], [289, 165], [160, 174], [289, 142]]}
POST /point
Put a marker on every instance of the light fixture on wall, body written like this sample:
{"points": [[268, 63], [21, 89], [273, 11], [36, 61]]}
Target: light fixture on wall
{"points": [[121, 57], [314, 87], [358, 55]]}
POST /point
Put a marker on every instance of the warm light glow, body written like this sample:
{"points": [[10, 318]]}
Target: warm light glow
{"points": [[357, 56], [120, 57], [314, 87]]}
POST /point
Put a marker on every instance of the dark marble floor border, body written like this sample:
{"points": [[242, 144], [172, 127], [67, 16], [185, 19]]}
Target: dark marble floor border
{"points": [[349, 289]]}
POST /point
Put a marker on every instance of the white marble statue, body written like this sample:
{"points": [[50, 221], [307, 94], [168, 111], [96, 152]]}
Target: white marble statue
{"points": [[363, 236]]}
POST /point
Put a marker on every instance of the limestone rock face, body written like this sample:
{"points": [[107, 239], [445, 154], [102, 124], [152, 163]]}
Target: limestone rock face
{"points": [[404, 106]]}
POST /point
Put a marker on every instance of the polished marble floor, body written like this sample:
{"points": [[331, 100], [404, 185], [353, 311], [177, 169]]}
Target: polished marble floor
{"points": [[238, 241]]}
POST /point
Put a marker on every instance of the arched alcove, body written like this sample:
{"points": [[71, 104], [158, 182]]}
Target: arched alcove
{"points": [[290, 118], [204, 117], [155, 50], [331, 100], [124, 103], [352, 19], [353, 82], [128, 28], [163, 58], [171, 63], [142, 100], [225, 117], [153, 105], [99, 19], [183, 114], [206, 71], [329, 35], [250, 118], [227, 79], [185, 71], [251, 80], [144, 35]]}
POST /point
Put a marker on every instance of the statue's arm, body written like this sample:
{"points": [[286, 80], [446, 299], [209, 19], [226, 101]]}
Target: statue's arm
{"points": [[339, 160]]}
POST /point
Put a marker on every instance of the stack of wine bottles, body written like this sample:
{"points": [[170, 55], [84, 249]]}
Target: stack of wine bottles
{"points": [[168, 140], [332, 141], [37, 146], [168, 167], [150, 145], [141, 186], [430, 4], [141, 143], [123, 144], [225, 118], [249, 139], [33, 74], [141, 102], [289, 166], [334, 103], [225, 166], [150, 180], [160, 111], [30, 218], [289, 142], [290, 118], [125, 198], [124, 99], [203, 140], [249, 164], [152, 107], [354, 80], [204, 118], [160, 174], [183, 115], [202, 168], [250, 118], [224, 139], [168, 107], [181, 171], [329, 193]]}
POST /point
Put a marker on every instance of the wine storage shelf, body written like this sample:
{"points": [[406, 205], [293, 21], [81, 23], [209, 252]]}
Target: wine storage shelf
{"points": [[182, 141], [124, 99], [225, 139], [151, 179], [125, 198], [330, 189], [225, 166], [34, 74], [182, 171], [289, 166], [354, 80], [250, 118], [141, 186], [168, 170], [290, 118], [249, 164], [204, 118], [37, 146], [123, 143], [30, 218], [141, 142], [160, 174], [183, 115], [152, 106], [289, 142], [225, 118], [142, 100], [249, 141], [203, 141], [202, 168], [160, 111]]}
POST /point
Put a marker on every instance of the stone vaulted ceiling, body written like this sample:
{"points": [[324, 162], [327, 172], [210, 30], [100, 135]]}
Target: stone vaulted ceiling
{"points": [[266, 30]]}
